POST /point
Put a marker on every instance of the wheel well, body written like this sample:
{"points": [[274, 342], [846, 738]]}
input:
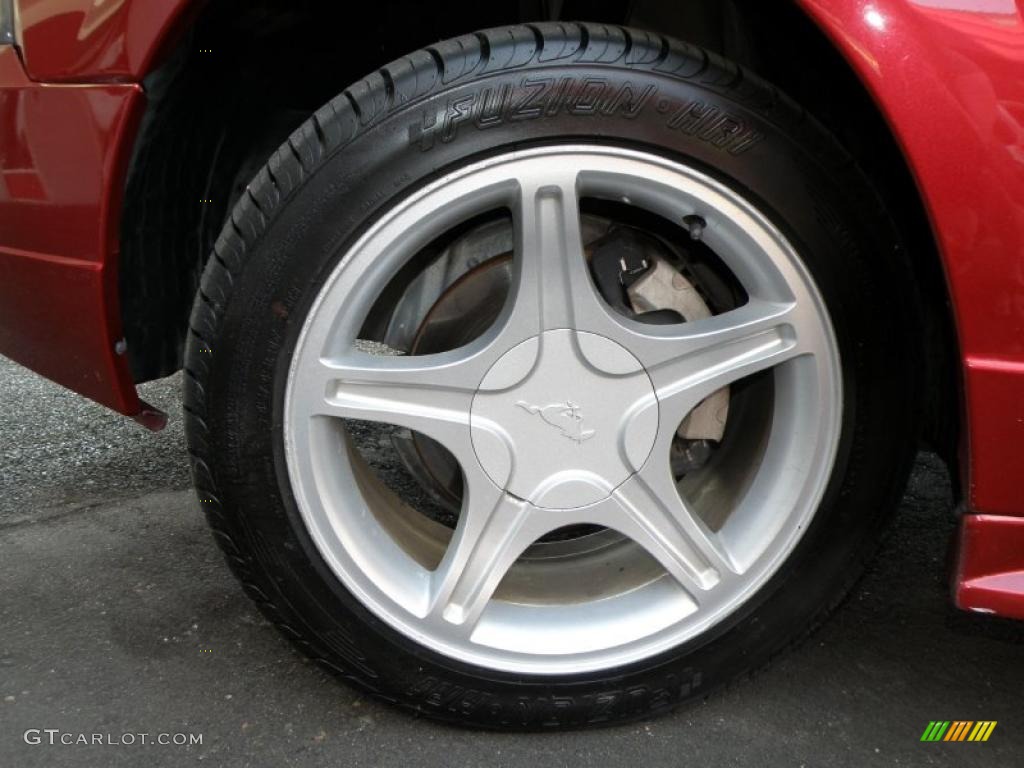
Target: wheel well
{"points": [[249, 71]]}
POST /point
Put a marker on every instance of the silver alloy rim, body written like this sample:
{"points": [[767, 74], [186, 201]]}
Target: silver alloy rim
{"points": [[600, 458]]}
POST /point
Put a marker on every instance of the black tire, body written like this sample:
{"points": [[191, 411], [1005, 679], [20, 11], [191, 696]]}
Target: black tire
{"points": [[399, 127]]}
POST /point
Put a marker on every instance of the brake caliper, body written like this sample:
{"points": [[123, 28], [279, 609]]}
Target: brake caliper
{"points": [[637, 280]]}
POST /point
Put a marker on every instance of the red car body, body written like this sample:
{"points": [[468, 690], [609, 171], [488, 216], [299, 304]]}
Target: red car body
{"points": [[947, 75]]}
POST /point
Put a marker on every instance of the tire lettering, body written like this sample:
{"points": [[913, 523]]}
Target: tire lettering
{"points": [[531, 98], [709, 123], [534, 97]]}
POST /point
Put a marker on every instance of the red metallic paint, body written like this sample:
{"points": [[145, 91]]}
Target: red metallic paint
{"points": [[97, 40], [946, 74], [949, 77], [990, 569], [63, 154]]}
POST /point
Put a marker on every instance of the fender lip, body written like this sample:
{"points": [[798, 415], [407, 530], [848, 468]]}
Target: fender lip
{"points": [[989, 573], [151, 417], [967, 173], [59, 310]]}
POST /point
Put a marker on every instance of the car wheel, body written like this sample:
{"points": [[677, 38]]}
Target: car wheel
{"points": [[551, 376]]}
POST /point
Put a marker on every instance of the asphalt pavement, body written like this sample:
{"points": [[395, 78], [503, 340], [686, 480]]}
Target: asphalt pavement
{"points": [[118, 617]]}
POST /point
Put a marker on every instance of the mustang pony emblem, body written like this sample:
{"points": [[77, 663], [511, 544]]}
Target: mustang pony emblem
{"points": [[565, 417]]}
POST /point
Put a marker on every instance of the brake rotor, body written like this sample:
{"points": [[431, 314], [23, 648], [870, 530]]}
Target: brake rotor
{"points": [[465, 310]]}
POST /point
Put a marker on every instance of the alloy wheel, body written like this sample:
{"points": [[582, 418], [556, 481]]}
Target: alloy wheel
{"points": [[562, 414]]}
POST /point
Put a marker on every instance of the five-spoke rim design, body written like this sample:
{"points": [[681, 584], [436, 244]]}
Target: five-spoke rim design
{"points": [[602, 459]]}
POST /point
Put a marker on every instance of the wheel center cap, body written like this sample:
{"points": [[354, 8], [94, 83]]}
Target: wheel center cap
{"points": [[564, 418]]}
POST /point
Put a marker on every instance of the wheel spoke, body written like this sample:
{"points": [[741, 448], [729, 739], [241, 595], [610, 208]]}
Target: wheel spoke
{"points": [[431, 394], [553, 288], [493, 531], [699, 358], [651, 512]]}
